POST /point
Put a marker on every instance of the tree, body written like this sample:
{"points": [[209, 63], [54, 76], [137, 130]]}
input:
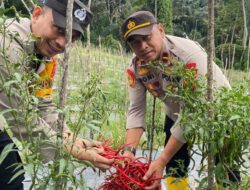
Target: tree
{"points": [[245, 35], [88, 29], [165, 14], [190, 18]]}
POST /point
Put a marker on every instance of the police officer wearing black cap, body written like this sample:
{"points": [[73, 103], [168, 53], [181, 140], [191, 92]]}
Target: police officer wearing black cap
{"points": [[48, 25]]}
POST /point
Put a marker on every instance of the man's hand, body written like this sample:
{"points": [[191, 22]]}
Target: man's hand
{"points": [[93, 155], [83, 149], [156, 168]]}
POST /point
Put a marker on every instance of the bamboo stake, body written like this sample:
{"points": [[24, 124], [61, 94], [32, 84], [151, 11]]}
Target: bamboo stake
{"points": [[222, 58], [225, 69], [248, 52], [245, 35], [64, 80], [152, 129], [210, 88], [88, 31], [68, 38], [231, 65], [26, 6]]}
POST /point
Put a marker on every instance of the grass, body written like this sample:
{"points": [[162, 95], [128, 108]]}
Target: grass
{"points": [[107, 100], [237, 77]]}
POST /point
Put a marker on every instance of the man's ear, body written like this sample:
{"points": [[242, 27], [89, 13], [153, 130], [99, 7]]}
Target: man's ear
{"points": [[161, 29], [37, 11]]}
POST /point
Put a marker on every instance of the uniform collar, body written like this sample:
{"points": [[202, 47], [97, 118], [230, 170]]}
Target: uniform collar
{"points": [[21, 31], [29, 43]]}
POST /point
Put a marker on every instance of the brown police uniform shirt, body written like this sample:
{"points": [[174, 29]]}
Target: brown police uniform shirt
{"points": [[142, 79], [16, 47]]}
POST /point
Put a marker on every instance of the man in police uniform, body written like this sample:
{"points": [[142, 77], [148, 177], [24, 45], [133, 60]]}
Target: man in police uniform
{"points": [[146, 38], [28, 48]]}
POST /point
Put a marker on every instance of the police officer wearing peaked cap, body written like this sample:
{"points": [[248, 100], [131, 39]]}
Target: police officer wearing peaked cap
{"points": [[147, 39]]}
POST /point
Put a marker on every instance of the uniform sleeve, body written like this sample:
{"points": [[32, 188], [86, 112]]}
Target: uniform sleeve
{"points": [[137, 107], [177, 131], [199, 58]]}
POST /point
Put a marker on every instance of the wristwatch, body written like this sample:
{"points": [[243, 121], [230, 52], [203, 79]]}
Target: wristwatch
{"points": [[129, 148]]}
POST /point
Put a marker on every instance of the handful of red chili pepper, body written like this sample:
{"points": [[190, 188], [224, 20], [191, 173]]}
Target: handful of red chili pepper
{"points": [[126, 173]]}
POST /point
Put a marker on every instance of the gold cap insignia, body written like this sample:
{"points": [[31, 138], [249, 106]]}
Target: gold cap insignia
{"points": [[131, 24]]}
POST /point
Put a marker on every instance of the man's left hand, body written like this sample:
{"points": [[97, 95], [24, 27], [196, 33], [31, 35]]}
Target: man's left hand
{"points": [[156, 168]]}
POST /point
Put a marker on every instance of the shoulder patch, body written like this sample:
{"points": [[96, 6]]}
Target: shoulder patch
{"points": [[131, 78], [193, 66], [190, 65]]}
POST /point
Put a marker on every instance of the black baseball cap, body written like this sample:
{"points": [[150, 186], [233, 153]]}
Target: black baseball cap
{"points": [[81, 14], [139, 23]]}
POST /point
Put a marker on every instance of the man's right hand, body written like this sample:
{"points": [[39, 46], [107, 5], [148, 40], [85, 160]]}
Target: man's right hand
{"points": [[83, 149], [93, 155]]}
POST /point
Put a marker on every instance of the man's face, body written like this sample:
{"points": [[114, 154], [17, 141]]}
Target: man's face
{"points": [[51, 38], [148, 47]]}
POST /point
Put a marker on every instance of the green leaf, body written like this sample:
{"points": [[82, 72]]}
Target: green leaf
{"points": [[96, 122], [96, 128], [86, 163], [219, 171], [18, 77], [213, 148], [221, 142], [51, 186], [234, 117], [9, 83], [201, 131], [62, 165], [70, 167], [20, 172], [7, 149]]}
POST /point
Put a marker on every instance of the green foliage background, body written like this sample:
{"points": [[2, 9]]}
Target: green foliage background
{"points": [[187, 18]]}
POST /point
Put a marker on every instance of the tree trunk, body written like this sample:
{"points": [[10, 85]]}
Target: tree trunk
{"points": [[245, 36], [88, 30], [88, 46], [109, 9], [63, 90], [152, 128], [210, 88], [156, 7], [248, 52]]}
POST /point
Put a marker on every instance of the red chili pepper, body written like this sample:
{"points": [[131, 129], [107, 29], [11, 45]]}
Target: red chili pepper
{"points": [[126, 174]]}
